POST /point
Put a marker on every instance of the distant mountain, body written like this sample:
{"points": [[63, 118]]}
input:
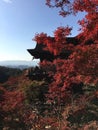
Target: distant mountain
{"points": [[19, 64]]}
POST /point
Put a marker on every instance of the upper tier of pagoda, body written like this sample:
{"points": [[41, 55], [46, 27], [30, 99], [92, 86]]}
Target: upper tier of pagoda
{"points": [[40, 53]]}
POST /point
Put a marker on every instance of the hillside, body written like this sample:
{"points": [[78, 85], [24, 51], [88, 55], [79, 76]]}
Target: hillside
{"points": [[25, 104], [6, 72]]}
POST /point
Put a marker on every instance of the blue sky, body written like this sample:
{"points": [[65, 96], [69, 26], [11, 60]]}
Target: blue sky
{"points": [[20, 20]]}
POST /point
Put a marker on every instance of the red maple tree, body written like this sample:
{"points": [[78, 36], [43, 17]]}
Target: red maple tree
{"points": [[68, 77], [82, 64]]}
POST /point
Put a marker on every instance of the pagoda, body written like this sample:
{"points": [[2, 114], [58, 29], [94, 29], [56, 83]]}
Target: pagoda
{"points": [[40, 53]]}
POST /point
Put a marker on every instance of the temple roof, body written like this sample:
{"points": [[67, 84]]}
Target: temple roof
{"points": [[39, 52]]}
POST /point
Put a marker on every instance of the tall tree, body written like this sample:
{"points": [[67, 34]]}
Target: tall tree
{"points": [[82, 64]]}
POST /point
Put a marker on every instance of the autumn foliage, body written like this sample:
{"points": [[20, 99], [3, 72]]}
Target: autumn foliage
{"points": [[69, 100], [79, 71], [82, 64]]}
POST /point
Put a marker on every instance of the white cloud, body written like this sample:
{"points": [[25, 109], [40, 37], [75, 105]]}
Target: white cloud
{"points": [[8, 1]]}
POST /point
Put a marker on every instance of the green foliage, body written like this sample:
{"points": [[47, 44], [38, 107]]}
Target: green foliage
{"points": [[35, 91], [6, 72]]}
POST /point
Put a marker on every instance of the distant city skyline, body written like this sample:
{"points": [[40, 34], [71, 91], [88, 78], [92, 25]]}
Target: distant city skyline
{"points": [[19, 22]]}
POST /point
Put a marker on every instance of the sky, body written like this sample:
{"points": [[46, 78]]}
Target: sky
{"points": [[20, 20]]}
